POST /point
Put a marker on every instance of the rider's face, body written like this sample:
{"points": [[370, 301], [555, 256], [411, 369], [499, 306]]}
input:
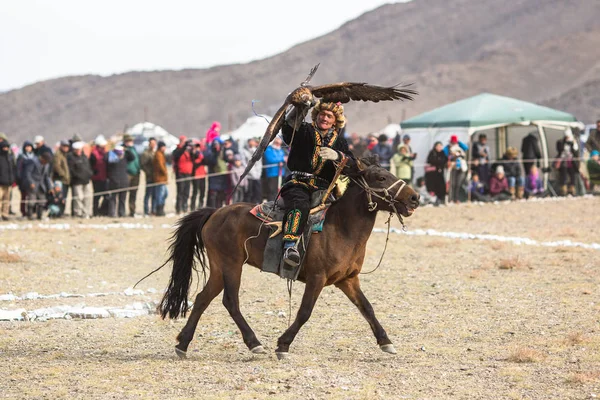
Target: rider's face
{"points": [[325, 120]]}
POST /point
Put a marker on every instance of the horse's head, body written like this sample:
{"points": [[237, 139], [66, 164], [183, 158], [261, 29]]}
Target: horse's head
{"points": [[385, 192]]}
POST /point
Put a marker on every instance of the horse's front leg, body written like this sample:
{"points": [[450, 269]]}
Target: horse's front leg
{"points": [[313, 288], [351, 288]]}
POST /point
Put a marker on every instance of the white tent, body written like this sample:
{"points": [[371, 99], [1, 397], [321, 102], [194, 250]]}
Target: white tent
{"points": [[390, 130], [143, 131], [254, 127]]}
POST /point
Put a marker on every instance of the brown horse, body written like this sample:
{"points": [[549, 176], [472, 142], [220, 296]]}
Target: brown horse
{"points": [[334, 257]]}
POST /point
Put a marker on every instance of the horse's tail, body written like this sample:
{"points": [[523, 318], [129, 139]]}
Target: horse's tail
{"points": [[186, 250]]}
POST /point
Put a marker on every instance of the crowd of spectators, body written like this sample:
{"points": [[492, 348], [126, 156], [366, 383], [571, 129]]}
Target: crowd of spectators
{"points": [[102, 178]]}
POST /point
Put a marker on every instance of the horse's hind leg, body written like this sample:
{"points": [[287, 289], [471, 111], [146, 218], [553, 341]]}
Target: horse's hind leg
{"points": [[351, 288], [313, 288], [232, 279], [213, 287]]}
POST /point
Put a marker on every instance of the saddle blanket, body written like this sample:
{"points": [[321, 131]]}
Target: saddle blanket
{"points": [[266, 212], [272, 259]]}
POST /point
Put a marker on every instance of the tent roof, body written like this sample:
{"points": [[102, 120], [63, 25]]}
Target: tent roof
{"points": [[254, 127], [485, 109]]}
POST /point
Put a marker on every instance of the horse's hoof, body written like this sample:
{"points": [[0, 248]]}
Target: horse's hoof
{"points": [[281, 355], [258, 350], [388, 348], [181, 354]]}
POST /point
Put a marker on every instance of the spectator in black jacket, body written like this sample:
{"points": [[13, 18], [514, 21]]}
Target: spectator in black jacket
{"points": [[37, 178], [81, 174], [7, 177], [24, 158], [118, 179], [40, 146], [530, 148], [434, 172]]}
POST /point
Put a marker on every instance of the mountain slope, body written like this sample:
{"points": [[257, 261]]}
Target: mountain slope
{"points": [[531, 50]]}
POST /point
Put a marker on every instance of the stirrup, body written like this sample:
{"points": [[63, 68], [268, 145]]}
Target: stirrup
{"points": [[291, 257]]}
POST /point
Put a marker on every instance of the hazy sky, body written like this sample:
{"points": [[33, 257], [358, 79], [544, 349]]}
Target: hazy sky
{"points": [[43, 39]]}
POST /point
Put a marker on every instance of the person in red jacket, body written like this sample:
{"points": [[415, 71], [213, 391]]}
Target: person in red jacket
{"points": [[99, 178], [185, 168], [199, 173]]}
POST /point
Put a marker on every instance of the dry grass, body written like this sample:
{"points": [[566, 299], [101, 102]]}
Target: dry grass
{"points": [[497, 246], [525, 355], [512, 263], [10, 258], [568, 232], [575, 338], [450, 300], [583, 378]]}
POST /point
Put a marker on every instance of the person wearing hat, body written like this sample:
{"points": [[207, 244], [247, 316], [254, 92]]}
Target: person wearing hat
{"points": [[7, 177], [499, 185], [146, 163], [23, 160], [481, 159], [81, 174], [456, 151], [383, 150], [406, 143], [60, 171], [403, 163], [254, 192], [118, 179], [160, 178], [236, 169], [593, 167], [567, 162], [99, 178], [133, 171], [513, 172], [314, 149], [40, 146], [593, 141]]}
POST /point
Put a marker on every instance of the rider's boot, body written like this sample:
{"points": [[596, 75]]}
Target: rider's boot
{"points": [[291, 256]]}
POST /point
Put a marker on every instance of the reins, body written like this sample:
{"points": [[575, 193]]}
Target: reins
{"points": [[387, 197], [372, 206]]}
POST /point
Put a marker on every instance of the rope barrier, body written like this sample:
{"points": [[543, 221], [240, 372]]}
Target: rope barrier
{"points": [[154, 184], [191, 178]]}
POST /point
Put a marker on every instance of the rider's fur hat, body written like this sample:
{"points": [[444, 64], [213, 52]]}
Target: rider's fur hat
{"points": [[336, 108]]}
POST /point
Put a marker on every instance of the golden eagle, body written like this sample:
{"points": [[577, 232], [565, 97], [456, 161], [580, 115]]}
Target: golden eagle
{"points": [[341, 92]]}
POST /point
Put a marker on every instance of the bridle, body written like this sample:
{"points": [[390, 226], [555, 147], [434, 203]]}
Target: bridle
{"points": [[385, 195], [382, 194]]}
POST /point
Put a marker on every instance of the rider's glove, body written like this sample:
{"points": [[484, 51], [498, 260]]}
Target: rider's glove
{"points": [[329, 154]]}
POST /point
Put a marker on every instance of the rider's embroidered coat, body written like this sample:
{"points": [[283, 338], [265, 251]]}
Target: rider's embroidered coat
{"points": [[305, 144]]}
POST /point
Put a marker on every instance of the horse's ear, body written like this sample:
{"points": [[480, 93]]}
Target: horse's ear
{"points": [[360, 165], [370, 160]]}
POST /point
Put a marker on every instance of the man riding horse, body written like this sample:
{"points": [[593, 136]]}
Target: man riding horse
{"points": [[314, 149]]}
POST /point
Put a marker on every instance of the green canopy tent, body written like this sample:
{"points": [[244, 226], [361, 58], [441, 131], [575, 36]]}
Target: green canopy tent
{"points": [[507, 119]]}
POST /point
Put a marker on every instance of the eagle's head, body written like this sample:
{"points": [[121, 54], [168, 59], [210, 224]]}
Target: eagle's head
{"points": [[301, 97]]}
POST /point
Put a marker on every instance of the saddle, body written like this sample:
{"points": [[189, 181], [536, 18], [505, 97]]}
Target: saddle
{"points": [[272, 215]]}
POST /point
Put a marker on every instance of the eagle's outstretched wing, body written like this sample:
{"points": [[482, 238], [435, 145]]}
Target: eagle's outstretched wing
{"points": [[346, 91], [336, 92]]}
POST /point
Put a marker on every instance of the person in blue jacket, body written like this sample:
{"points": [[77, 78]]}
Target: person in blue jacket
{"points": [[275, 157], [456, 151]]}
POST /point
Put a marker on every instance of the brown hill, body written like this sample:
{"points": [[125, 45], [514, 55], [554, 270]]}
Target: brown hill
{"points": [[451, 49]]}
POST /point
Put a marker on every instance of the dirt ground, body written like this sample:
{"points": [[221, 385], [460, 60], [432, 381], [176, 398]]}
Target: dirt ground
{"points": [[471, 319]]}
